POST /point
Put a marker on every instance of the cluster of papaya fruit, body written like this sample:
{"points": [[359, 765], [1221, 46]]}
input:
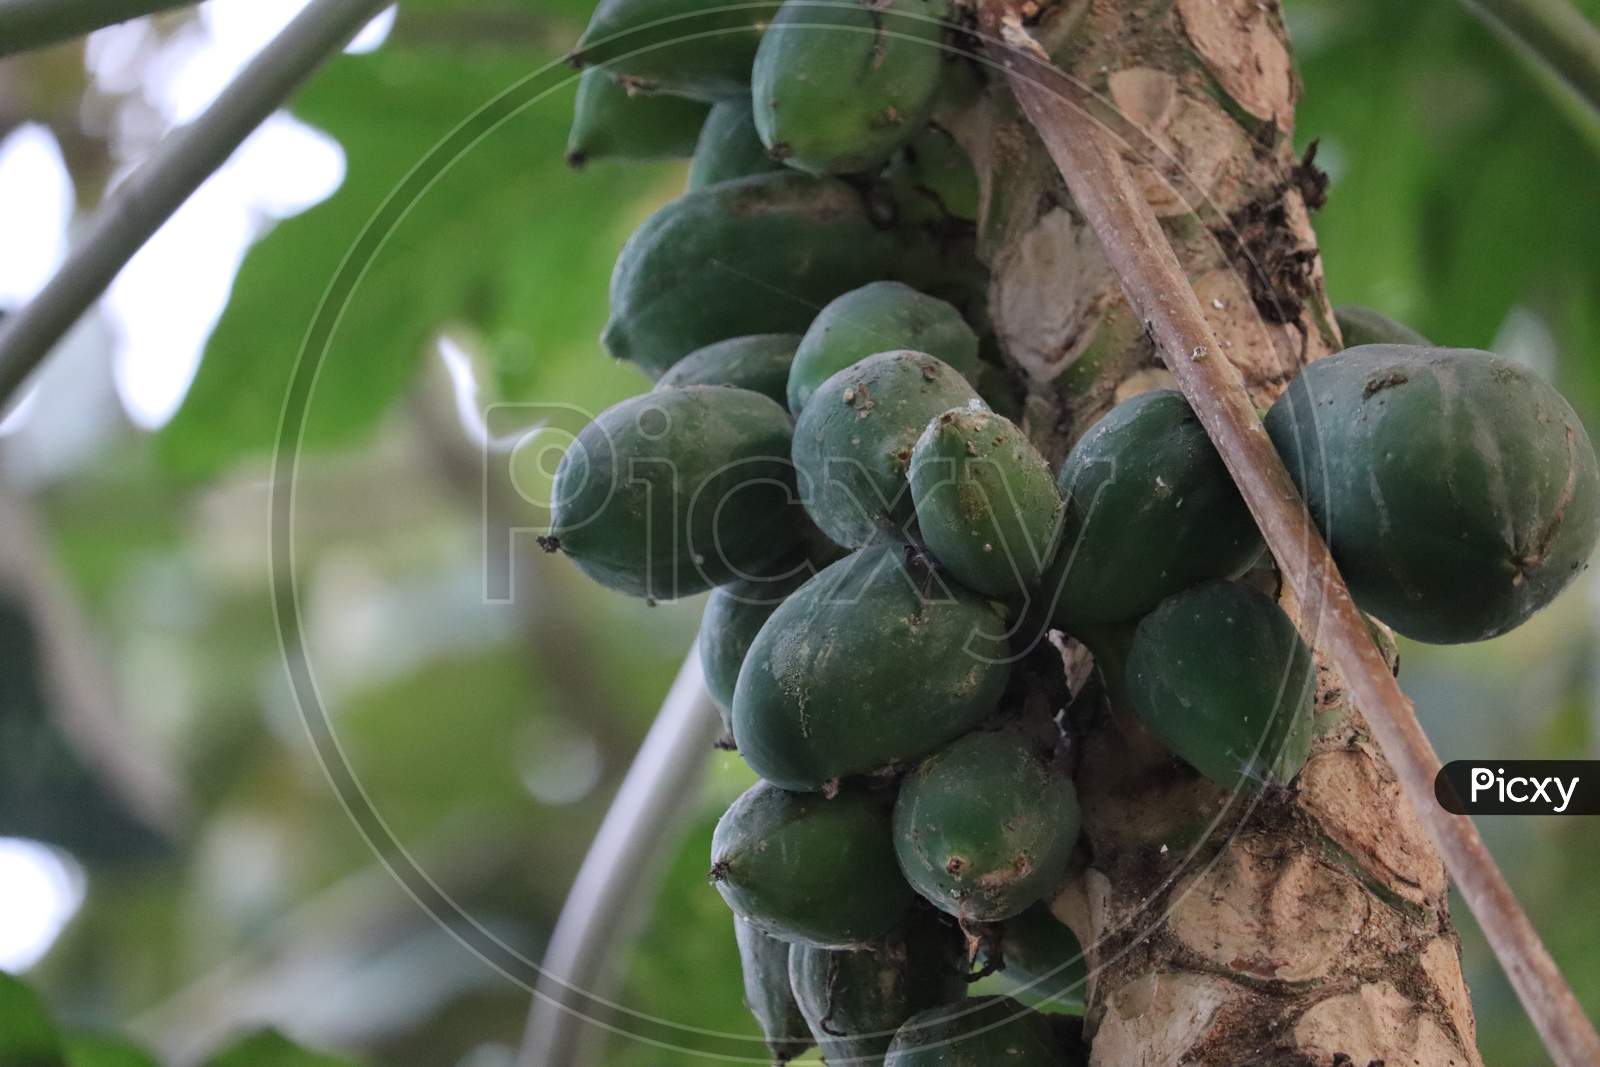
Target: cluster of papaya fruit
{"points": [[883, 543]]}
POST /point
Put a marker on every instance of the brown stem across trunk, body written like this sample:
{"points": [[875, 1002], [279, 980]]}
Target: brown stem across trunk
{"points": [[1307, 925]]}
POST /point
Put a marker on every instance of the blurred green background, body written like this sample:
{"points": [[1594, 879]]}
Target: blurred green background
{"points": [[135, 596]]}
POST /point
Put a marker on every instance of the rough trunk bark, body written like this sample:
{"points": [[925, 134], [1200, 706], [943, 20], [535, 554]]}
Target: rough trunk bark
{"points": [[1303, 926]]}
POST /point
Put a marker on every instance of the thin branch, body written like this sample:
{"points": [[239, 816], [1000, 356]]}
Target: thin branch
{"points": [[658, 790], [26, 24], [137, 208], [1160, 294], [1556, 35]]}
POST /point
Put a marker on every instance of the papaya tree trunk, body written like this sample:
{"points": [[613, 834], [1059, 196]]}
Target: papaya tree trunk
{"points": [[1305, 925]]}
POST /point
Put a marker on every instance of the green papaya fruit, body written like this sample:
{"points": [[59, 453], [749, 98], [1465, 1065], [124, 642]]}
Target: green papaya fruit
{"points": [[667, 494], [1459, 493], [810, 869], [985, 826], [728, 146], [879, 317], [839, 86], [696, 48], [734, 615], [764, 962], [1042, 957], [933, 179], [754, 255], [981, 1032], [986, 500], [1363, 326], [872, 663], [1220, 675], [1150, 510], [759, 363], [609, 122], [853, 442], [855, 999]]}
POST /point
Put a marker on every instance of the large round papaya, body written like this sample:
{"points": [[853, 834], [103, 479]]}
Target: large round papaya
{"points": [[759, 363], [984, 827], [609, 122], [734, 615], [1458, 492], [839, 86], [696, 48], [872, 663], [728, 146], [1363, 326], [876, 318], [810, 869], [1221, 676], [853, 442], [764, 963], [981, 1032], [1150, 510], [855, 999], [1042, 956], [667, 494], [987, 504], [754, 255]]}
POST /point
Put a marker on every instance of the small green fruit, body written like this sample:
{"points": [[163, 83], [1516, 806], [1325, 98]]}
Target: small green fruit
{"points": [[764, 962], [987, 503], [872, 663], [853, 442], [609, 122], [759, 363], [1363, 326], [879, 317], [1221, 676], [810, 869], [685, 47], [729, 146], [981, 1032], [984, 827], [839, 86]]}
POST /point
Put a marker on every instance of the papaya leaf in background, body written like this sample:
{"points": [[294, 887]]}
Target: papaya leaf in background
{"points": [[28, 1036], [1468, 193], [507, 239], [269, 1048]]}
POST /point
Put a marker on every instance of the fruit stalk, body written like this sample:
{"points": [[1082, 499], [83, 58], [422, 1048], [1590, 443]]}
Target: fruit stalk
{"points": [[1163, 299]]}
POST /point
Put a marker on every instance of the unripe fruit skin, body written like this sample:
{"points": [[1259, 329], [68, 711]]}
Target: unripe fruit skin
{"points": [[764, 964], [685, 47], [933, 179], [1150, 510], [854, 1000], [667, 494], [853, 442], [810, 869], [1459, 493], [753, 255], [986, 500], [874, 662], [1363, 326], [982, 1032], [1220, 675], [729, 147], [1043, 957], [608, 122], [759, 363], [734, 615], [838, 87], [985, 826], [879, 317]]}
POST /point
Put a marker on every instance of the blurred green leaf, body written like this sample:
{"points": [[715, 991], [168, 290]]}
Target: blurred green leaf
{"points": [[504, 237], [269, 1048], [100, 1050], [28, 1037]]}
